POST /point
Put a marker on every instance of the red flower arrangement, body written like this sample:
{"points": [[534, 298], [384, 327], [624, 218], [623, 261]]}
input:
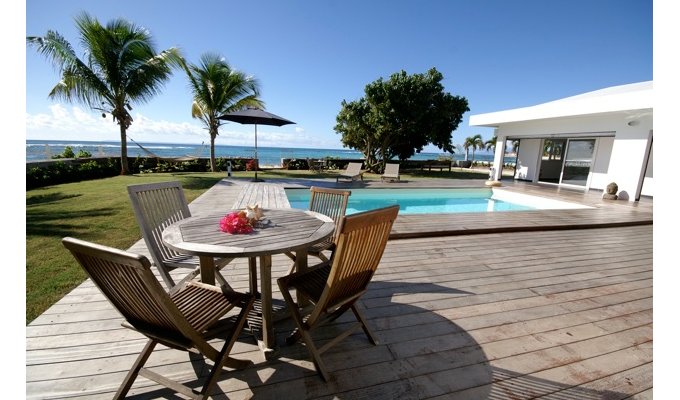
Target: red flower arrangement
{"points": [[236, 222]]}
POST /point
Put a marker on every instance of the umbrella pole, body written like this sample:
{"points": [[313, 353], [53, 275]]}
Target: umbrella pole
{"points": [[257, 161]]}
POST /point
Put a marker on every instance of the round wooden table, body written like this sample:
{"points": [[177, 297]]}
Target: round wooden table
{"points": [[286, 230]]}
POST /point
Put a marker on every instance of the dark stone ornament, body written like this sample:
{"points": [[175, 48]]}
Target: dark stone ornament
{"points": [[612, 189]]}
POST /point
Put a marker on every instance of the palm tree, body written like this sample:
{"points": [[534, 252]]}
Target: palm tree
{"points": [[475, 142], [120, 67], [491, 143], [218, 89], [515, 145]]}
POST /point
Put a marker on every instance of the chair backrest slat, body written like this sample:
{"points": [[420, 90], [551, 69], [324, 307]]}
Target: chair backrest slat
{"points": [[360, 246], [156, 206], [330, 202], [127, 281]]}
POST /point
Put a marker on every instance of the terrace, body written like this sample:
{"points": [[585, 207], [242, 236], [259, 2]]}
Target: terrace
{"points": [[546, 303]]}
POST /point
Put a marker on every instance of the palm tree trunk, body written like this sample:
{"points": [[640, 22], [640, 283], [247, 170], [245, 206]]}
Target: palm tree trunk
{"points": [[467, 151], [213, 165], [123, 151]]}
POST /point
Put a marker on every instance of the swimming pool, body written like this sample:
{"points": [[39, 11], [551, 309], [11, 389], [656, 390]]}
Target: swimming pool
{"points": [[435, 201]]}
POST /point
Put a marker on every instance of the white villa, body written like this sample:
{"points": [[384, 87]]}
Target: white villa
{"points": [[585, 141]]}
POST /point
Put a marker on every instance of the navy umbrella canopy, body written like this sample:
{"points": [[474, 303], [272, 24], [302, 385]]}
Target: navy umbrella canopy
{"points": [[255, 116]]}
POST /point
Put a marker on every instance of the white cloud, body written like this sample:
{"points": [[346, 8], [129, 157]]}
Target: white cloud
{"points": [[75, 123]]}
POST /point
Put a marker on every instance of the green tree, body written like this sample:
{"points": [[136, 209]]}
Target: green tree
{"points": [[120, 67], [474, 142], [358, 132], [217, 89], [400, 116]]}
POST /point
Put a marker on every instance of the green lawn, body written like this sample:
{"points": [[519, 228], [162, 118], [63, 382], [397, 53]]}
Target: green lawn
{"points": [[97, 211], [100, 211]]}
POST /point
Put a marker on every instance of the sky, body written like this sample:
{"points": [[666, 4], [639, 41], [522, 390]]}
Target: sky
{"points": [[310, 56]]}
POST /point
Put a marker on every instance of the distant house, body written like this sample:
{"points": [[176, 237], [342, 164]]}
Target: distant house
{"points": [[585, 141]]}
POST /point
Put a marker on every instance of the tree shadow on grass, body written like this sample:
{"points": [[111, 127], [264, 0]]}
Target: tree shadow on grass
{"points": [[48, 198], [56, 223]]}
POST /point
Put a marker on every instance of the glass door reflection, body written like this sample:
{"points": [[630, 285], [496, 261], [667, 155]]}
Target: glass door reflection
{"points": [[578, 162]]}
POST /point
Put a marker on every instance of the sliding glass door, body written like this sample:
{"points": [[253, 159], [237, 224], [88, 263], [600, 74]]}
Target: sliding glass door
{"points": [[551, 160], [578, 162], [567, 161]]}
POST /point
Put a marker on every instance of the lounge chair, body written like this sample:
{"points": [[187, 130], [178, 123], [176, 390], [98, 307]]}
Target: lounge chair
{"points": [[157, 205], [335, 286], [351, 173], [391, 172], [186, 318], [331, 203]]}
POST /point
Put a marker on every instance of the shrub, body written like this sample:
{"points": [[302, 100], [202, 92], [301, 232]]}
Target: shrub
{"points": [[67, 153], [83, 154], [332, 162], [61, 172], [297, 164]]}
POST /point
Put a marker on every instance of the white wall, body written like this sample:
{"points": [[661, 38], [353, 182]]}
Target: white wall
{"points": [[628, 157], [527, 159], [600, 168]]}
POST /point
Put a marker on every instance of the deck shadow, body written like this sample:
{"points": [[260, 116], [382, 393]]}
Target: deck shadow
{"points": [[409, 351]]}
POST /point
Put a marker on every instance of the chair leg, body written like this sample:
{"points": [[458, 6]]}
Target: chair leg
{"points": [[321, 256], [292, 256], [222, 281], [300, 332], [316, 356], [294, 312], [364, 325], [134, 371], [185, 281], [165, 275], [224, 353]]}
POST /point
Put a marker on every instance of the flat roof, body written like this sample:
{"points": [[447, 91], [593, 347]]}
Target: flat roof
{"points": [[623, 98]]}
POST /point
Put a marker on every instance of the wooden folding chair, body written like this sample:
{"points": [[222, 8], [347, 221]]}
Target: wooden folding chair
{"points": [[334, 287], [331, 203], [184, 319], [157, 205]]}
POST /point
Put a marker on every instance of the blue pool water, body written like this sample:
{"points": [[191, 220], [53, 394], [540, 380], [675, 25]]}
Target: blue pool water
{"points": [[417, 201]]}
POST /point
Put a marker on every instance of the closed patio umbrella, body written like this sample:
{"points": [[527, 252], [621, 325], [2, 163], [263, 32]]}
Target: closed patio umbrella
{"points": [[255, 116]]}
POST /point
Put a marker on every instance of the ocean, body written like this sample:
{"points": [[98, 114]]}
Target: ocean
{"points": [[38, 150]]}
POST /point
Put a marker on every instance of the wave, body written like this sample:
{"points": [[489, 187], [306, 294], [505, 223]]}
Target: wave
{"points": [[72, 144]]}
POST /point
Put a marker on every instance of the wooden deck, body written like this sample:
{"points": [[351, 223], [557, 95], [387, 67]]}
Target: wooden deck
{"points": [[537, 310]]}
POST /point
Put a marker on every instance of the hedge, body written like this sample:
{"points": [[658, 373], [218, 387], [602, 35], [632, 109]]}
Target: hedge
{"points": [[46, 173]]}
